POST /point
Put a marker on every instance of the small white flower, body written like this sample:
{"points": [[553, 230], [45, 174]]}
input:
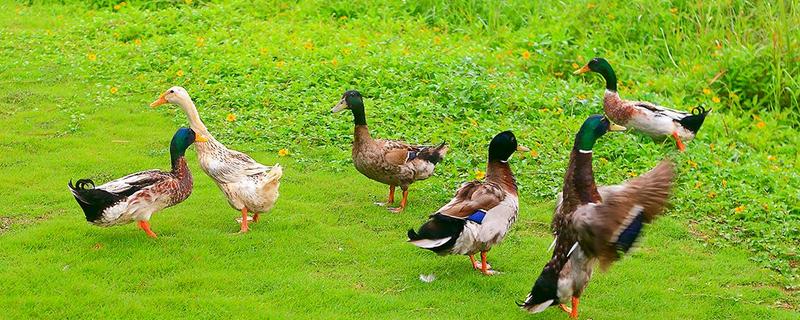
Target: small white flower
{"points": [[427, 278]]}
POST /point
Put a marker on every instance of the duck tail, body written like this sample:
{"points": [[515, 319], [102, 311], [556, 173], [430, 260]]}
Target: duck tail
{"points": [[92, 200], [435, 154], [696, 119], [437, 234]]}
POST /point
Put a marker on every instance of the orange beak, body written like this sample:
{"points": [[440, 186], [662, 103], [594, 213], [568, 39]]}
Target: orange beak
{"points": [[582, 70], [161, 100]]}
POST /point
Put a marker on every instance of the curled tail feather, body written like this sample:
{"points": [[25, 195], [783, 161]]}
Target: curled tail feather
{"points": [[694, 121]]}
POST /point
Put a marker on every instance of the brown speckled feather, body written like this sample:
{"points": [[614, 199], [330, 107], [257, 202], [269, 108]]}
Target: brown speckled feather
{"points": [[472, 196]]}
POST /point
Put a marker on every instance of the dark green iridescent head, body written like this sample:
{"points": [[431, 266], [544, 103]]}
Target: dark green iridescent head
{"points": [[182, 139], [592, 129], [602, 67]]}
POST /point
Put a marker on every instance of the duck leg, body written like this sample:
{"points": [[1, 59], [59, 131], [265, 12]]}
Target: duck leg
{"points": [[402, 202], [678, 141], [255, 217], [146, 227], [574, 313], [244, 228], [474, 264], [391, 198], [485, 267]]}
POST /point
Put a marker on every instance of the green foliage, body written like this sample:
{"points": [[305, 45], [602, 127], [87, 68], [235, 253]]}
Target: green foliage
{"points": [[76, 80]]}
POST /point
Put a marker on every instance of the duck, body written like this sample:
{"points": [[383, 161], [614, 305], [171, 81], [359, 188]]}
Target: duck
{"points": [[594, 225], [653, 120], [137, 196], [250, 187], [480, 214], [392, 162]]}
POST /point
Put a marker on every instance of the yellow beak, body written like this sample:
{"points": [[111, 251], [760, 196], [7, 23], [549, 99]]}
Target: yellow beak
{"points": [[616, 127], [199, 138], [523, 148], [582, 70], [339, 106], [161, 100]]}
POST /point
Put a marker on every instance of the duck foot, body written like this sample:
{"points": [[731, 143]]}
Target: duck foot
{"points": [[145, 225]]}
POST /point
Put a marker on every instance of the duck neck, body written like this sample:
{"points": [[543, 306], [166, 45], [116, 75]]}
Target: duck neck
{"points": [[194, 117], [359, 117], [579, 179], [498, 171], [611, 78]]}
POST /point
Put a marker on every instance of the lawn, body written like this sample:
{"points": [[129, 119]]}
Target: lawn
{"points": [[76, 79]]}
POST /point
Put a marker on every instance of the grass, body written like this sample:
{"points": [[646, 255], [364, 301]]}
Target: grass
{"points": [[75, 80]]}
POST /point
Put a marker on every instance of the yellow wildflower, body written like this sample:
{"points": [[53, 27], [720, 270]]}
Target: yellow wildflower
{"points": [[200, 42], [761, 125], [179, 73], [308, 45], [189, 2], [283, 152], [231, 117], [692, 164], [473, 122], [137, 41], [492, 86], [715, 99], [117, 7], [479, 175], [558, 74], [534, 153], [334, 62], [113, 90], [437, 40], [673, 10], [771, 158], [91, 57], [632, 174], [712, 195], [739, 209], [698, 184], [575, 65], [724, 183], [280, 64], [711, 146], [343, 18], [346, 51], [526, 55], [706, 91]]}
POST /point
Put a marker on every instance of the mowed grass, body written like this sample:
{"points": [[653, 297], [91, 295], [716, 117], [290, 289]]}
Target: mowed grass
{"points": [[325, 250]]}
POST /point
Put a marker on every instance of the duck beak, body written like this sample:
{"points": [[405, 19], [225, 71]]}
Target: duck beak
{"points": [[199, 137], [616, 127], [161, 100], [523, 149], [582, 70], [339, 106]]}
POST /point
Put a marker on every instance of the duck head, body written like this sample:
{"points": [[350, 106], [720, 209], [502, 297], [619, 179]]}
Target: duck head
{"points": [[602, 67], [592, 129], [503, 146], [351, 99]]}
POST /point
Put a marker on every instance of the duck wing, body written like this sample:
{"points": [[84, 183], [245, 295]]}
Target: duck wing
{"points": [[609, 229], [233, 166], [471, 197], [660, 111]]}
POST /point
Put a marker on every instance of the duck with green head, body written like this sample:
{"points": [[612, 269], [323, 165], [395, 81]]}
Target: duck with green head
{"points": [[392, 162], [137, 196], [656, 121], [480, 214], [594, 224]]}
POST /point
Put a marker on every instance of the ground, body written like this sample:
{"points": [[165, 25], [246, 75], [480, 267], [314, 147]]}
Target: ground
{"points": [[75, 82]]}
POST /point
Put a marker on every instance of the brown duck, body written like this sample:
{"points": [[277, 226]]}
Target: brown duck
{"points": [[392, 162], [594, 225]]}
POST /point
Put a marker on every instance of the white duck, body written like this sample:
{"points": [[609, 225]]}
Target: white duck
{"points": [[248, 185]]}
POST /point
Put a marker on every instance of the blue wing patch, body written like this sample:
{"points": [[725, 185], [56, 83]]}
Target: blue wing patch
{"points": [[477, 217], [628, 236], [411, 155]]}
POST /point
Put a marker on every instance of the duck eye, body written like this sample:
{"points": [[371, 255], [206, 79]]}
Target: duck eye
{"points": [[171, 91]]}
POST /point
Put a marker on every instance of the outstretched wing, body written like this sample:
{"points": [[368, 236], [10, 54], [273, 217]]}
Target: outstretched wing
{"points": [[610, 228]]}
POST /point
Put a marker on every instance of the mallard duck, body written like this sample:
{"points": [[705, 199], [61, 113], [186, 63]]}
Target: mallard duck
{"points": [[594, 225], [656, 121], [480, 214], [137, 196], [392, 162], [248, 185]]}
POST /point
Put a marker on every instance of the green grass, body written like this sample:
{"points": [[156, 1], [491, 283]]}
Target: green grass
{"points": [[459, 72]]}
